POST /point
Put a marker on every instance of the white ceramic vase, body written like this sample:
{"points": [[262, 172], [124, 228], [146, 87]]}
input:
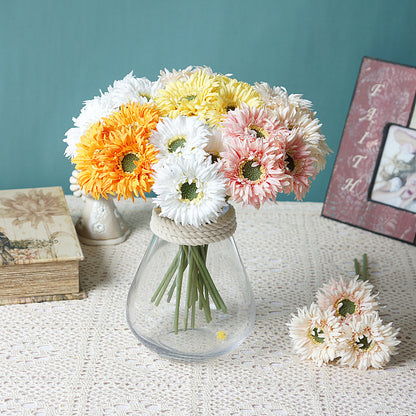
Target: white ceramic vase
{"points": [[101, 223]]}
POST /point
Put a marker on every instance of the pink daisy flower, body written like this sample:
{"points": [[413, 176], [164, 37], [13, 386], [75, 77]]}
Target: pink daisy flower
{"points": [[254, 171], [347, 298], [254, 123], [300, 165]]}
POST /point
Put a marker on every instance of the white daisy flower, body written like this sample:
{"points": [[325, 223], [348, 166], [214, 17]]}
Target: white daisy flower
{"points": [[366, 342], [216, 143], [132, 89], [129, 89], [347, 298], [190, 189], [315, 334], [179, 136], [93, 111]]}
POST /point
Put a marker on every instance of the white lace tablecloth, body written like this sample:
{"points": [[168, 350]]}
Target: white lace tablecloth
{"points": [[79, 357]]}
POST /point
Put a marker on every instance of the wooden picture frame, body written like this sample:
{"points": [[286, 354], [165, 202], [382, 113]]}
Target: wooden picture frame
{"points": [[384, 96]]}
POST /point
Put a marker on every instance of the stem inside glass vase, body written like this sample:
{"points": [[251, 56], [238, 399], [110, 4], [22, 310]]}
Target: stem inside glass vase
{"points": [[189, 276]]}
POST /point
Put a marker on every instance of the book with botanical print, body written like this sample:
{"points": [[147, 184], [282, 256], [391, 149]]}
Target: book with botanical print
{"points": [[39, 248]]}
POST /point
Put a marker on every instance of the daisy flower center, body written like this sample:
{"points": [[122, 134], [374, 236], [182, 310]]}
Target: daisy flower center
{"points": [[189, 192], [176, 143], [252, 170], [127, 162], [215, 157], [189, 97], [347, 307], [290, 163], [134, 125], [260, 132], [364, 344], [316, 335]]}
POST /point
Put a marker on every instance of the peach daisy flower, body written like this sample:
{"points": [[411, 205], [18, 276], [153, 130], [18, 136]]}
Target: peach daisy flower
{"points": [[300, 165], [315, 334], [253, 122], [296, 113], [254, 171], [365, 342], [347, 298]]}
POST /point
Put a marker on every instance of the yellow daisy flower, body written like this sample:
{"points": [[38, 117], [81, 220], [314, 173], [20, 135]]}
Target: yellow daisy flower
{"points": [[192, 97], [232, 94]]}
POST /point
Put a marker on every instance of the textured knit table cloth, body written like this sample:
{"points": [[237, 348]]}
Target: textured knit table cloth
{"points": [[79, 357]]}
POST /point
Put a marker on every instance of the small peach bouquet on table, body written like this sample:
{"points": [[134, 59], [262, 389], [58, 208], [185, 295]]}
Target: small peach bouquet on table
{"points": [[198, 140], [344, 325]]}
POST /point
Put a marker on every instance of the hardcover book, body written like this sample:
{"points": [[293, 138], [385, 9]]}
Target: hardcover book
{"points": [[39, 248]]}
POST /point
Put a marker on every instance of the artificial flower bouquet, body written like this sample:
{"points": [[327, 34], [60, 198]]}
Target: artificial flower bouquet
{"points": [[344, 325], [199, 140]]}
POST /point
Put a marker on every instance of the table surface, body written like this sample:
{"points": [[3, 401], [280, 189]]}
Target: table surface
{"points": [[79, 357]]}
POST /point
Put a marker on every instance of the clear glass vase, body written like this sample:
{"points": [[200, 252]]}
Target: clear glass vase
{"points": [[191, 302]]}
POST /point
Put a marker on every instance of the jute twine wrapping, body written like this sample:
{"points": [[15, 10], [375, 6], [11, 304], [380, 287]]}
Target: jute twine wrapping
{"points": [[188, 235]]}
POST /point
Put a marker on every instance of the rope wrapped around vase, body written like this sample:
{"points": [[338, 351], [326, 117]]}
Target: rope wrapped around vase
{"points": [[188, 235]]}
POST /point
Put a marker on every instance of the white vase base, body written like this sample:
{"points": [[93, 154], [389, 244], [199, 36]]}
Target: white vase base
{"points": [[104, 242]]}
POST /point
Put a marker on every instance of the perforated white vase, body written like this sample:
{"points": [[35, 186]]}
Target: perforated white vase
{"points": [[101, 223]]}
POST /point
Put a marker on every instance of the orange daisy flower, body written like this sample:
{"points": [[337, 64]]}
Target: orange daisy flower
{"points": [[133, 115], [88, 162], [115, 157], [127, 161]]}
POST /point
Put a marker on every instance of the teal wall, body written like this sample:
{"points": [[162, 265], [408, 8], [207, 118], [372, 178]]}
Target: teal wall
{"points": [[54, 54]]}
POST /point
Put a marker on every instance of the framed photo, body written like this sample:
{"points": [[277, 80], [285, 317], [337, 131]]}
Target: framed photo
{"points": [[373, 183], [394, 179]]}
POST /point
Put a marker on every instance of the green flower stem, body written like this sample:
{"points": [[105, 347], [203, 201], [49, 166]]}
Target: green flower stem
{"points": [[193, 317], [171, 290], [216, 297], [189, 288], [206, 294], [363, 273], [192, 277], [179, 278], [160, 291], [365, 267], [199, 286], [204, 302]]}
